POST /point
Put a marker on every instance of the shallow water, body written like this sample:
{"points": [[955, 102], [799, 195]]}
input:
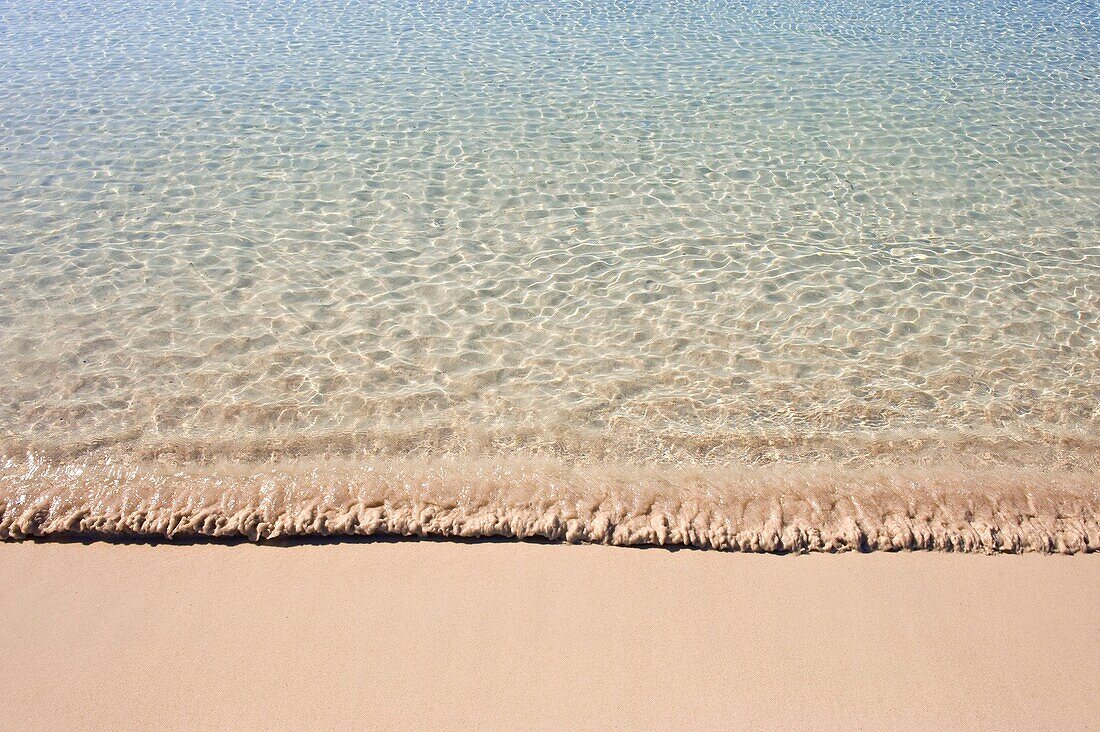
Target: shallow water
{"points": [[725, 236]]}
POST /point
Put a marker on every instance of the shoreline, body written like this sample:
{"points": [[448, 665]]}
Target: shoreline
{"points": [[779, 509], [454, 635]]}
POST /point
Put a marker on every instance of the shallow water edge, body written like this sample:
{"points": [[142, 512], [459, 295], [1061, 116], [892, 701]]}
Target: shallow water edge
{"points": [[779, 508]]}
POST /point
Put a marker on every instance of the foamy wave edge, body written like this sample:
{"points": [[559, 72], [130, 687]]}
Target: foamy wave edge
{"points": [[738, 508]]}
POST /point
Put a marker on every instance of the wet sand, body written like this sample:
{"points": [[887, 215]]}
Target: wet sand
{"points": [[455, 635]]}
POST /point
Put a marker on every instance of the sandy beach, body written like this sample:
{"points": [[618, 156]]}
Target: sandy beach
{"points": [[459, 635], [574, 365]]}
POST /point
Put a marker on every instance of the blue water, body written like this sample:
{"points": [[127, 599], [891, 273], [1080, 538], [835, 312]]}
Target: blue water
{"points": [[662, 232]]}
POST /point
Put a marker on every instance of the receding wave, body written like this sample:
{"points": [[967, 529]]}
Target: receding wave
{"points": [[778, 508]]}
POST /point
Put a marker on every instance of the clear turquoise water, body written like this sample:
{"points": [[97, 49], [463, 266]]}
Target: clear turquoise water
{"points": [[659, 232]]}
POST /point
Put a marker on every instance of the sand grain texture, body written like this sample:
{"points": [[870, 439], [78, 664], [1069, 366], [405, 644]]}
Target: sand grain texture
{"points": [[457, 636]]}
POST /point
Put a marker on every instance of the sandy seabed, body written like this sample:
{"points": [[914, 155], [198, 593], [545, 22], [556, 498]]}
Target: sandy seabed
{"points": [[450, 635]]}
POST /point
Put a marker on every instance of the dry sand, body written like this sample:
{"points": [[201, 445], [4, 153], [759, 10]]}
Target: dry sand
{"points": [[450, 635]]}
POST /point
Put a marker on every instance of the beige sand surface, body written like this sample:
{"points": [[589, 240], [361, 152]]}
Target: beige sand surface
{"points": [[448, 635]]}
